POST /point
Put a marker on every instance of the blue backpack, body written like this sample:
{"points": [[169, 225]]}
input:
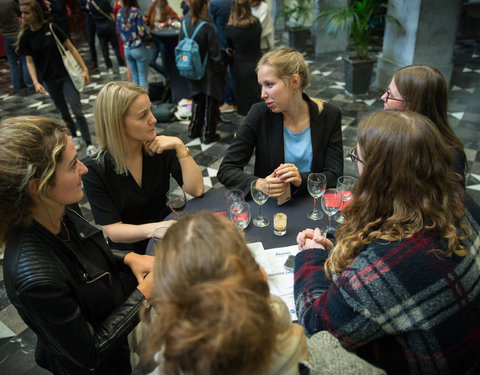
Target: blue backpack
{"points": [[187, 56]]}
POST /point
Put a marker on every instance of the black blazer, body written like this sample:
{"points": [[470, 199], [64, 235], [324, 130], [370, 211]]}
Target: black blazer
{"points": [[262, 131]]}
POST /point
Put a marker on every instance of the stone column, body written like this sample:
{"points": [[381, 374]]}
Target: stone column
{"points": [[324, 42], [427, 37]]}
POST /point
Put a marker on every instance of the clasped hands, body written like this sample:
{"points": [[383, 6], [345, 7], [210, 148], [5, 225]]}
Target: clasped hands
{"points": [[276, 183], [313, 239]]}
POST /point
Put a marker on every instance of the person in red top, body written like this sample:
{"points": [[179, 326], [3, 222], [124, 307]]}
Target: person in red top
{"points": [[159, 15]]}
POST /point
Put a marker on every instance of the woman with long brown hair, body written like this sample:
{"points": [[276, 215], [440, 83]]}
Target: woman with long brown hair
{"points": [[422, 89], [214, 313], [401, 284]]}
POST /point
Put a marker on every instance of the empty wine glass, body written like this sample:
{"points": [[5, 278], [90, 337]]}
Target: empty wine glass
{"points": [[177, 201], [260, 198], [316, 184], [345, 185], [232, 196], [240, 214], [331, 203]]}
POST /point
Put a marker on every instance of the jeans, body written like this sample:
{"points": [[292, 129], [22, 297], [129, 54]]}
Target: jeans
{"points": [[158, 48], [138, 62], [106, 34], [18, 74], [62, 90]]}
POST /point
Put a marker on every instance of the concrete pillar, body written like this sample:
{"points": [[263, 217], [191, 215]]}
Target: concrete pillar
{"points": [[324, 42], [427, 37]]}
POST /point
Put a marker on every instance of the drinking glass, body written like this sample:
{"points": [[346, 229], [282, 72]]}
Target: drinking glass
{"points": [[345, 185], [316, 184], [232, 196], [240, 214], [176, 200], [331, 203], [260, 198]]}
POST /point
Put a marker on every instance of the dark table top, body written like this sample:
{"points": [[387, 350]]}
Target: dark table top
{"points": [[296, 210]]}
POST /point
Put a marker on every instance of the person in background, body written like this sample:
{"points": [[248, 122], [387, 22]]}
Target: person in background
{"points": [[292, 135], [58, 271], [219, 11], [243, 39], [38, 45], [261, 10], [159, 15], [422, 89], [400, 287], [132, 31], [102, 15], [207, 92], [116, 7], [9, 28], [59, 11], [129, 177], [185, 5], [90, 26], [215, 315]]}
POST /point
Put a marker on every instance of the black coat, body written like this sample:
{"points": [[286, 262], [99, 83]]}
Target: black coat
{"points": [[213, 81], [77, 308], [262, 131]]}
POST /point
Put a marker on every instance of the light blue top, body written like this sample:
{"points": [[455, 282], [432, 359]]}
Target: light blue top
{"points": [[298, 149]]}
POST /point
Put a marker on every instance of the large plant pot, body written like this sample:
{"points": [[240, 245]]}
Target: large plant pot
{"points": [[298, 38], [358, 75]]}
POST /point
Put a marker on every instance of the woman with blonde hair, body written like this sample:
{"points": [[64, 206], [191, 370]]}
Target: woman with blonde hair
{"points": [[129, 177], [243, 32], [36, 42], [58, 271], [214, 313], [422, 89], [401, 284], [292, 134]]}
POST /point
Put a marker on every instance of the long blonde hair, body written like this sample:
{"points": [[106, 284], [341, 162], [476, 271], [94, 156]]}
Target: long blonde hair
{"points": [[407, 186], [36, 9], [213, 307], [111, 107], [30, 148]]}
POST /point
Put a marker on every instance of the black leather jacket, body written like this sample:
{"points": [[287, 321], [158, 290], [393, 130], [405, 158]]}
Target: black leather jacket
{"points": [[77, 309]]}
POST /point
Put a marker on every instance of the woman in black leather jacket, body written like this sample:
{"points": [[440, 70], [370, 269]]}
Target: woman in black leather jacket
{"points": [[59, 272]]}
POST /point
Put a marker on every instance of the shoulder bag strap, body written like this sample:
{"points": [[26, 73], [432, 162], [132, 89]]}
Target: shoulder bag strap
{"points": [[108, 16], [185, 29], [60, 46], [198, 28]]}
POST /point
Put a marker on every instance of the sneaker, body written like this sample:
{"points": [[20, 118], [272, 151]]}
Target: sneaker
{"points": [[77, 143], [110, 71], [123, 70], [78, 133], [91, 149], [227, 108]]}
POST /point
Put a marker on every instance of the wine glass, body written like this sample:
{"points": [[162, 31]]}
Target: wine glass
{"points": [[331, 203], [176, 200], [316, 184], [260, 198], [240, 214], [345, 185], [232, 196]]}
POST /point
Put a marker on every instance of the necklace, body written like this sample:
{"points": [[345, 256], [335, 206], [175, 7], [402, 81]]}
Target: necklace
{"points": [[66, 230]]}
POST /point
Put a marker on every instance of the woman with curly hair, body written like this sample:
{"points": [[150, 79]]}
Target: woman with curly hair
{"points": [[401, 285], [215, 314]]}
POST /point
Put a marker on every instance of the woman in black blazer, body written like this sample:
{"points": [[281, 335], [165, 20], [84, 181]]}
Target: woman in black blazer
{"points": [[292, 134]]}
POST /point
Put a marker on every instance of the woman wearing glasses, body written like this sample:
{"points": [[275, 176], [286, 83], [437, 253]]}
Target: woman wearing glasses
{"points": [[401, 284], [422, 89]]}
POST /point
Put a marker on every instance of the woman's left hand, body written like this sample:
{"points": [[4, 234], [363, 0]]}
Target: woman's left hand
{"points": [[141, 265], [289, 173], [162, 142]]}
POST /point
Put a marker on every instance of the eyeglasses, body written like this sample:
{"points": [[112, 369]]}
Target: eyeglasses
{"points": [[390, 97], [354, 155]]}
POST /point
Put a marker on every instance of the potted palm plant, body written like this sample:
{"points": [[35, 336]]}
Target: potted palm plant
{"points": [[296, 14], [358, 20]]}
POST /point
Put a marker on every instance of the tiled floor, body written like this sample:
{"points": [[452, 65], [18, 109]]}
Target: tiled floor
{"points": [[17, 343]]}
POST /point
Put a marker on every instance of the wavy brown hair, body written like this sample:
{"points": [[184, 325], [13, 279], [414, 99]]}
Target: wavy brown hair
{"points": [[241, 14], [426, 91], [213, 307], [37, 11], [407, 186], [196, 9], [30, 148]]}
